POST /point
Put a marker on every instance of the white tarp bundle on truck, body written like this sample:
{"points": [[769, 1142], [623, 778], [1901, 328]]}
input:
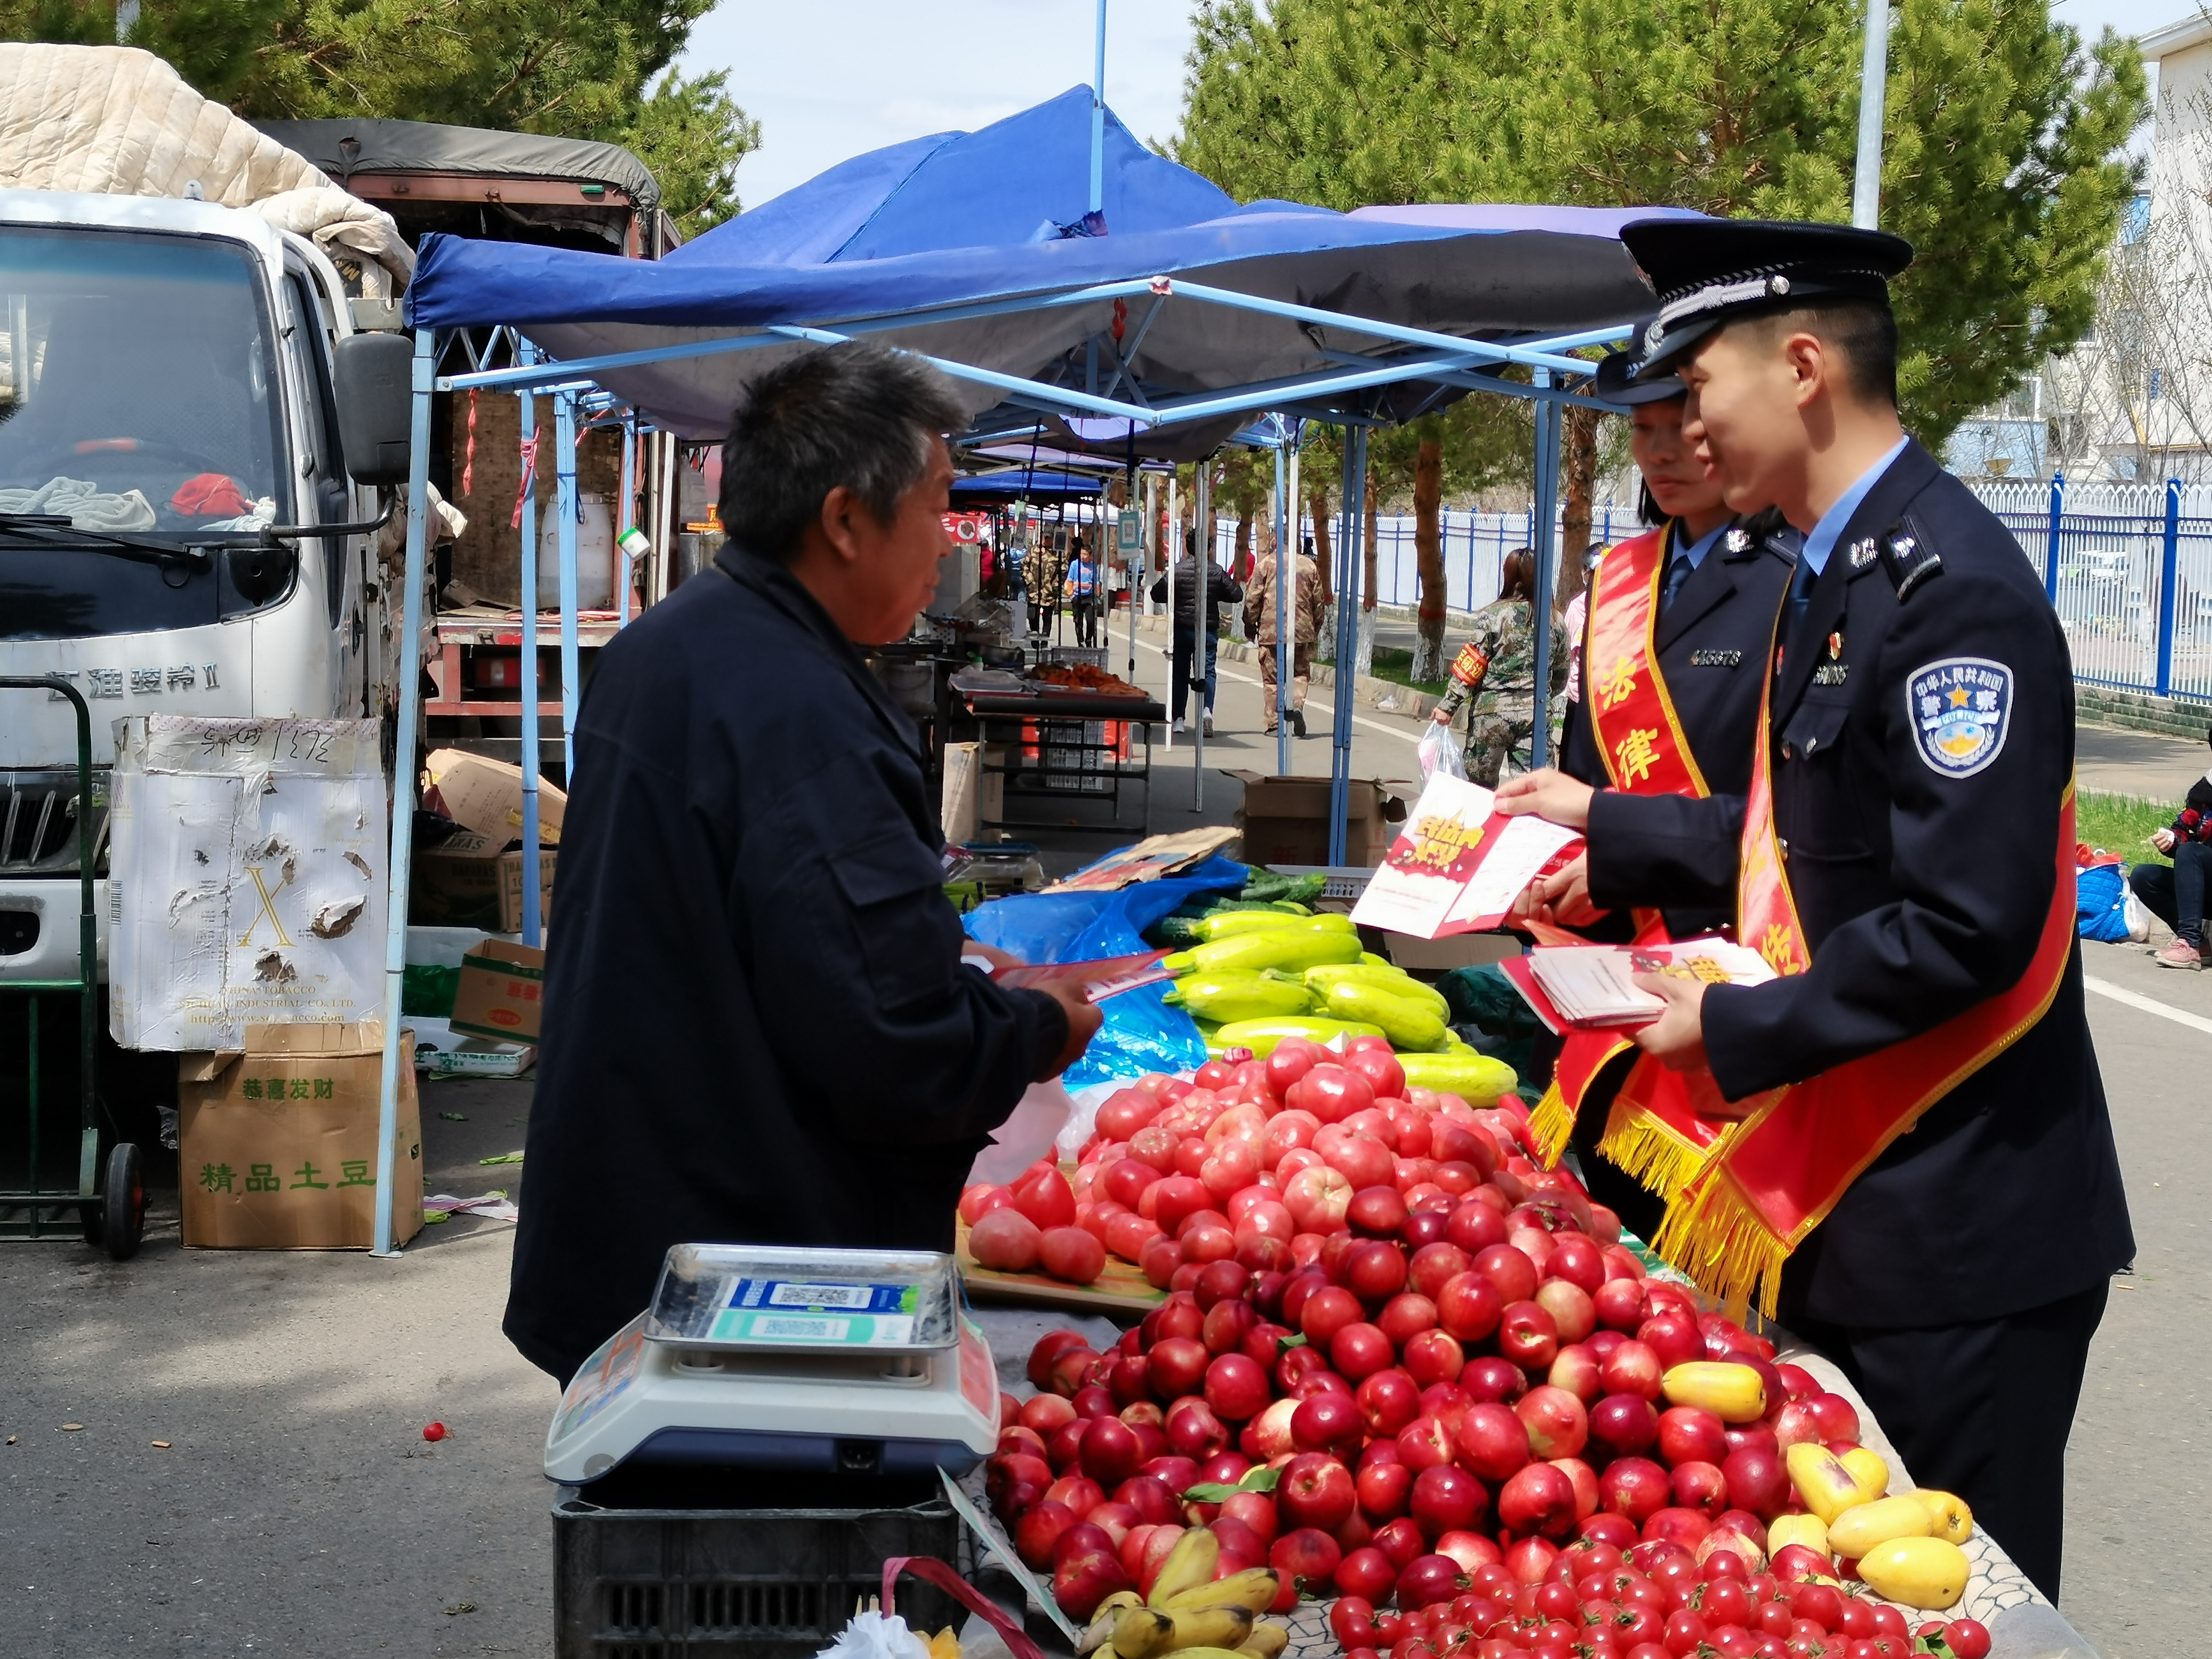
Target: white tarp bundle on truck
{"points": [[247, 877], [114, 120]]}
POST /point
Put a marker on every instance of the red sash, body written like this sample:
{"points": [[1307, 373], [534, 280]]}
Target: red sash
{"points": [[1783, 1169], [1652, 1132]]}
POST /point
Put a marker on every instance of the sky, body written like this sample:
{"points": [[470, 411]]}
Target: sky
{"points": [[836, 78]]}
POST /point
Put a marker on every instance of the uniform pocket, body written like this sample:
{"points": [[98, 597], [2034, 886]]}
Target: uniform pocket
{"points": [[1816, 810]]}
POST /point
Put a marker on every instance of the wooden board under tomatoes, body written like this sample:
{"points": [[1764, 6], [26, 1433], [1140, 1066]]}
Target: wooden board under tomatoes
{"points": [[1119, 1289]]}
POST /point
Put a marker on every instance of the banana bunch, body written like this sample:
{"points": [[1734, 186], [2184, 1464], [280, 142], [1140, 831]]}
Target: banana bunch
{"points": [[1190, 1613]]}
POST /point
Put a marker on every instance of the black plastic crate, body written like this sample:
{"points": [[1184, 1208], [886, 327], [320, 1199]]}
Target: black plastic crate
{"points": [[636, 1576]]}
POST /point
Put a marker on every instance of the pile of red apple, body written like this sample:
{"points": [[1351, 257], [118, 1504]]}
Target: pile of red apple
{"points": [[1400, 1375], [1257, 1161]]}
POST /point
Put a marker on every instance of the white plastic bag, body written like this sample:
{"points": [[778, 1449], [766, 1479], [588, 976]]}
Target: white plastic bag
{"points": [[1025, 1137], [1439, 751], [2137, 914], [876, 1636]]}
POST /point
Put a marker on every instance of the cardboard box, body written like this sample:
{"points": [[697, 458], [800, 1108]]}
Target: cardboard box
{"points": [[278, 1145], [248, 879], [486, 796], [502, 992], [467, 881], [1285, 819], [1458, 950]]}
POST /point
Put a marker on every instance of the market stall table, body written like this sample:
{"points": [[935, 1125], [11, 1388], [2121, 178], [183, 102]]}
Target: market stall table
{"points": [[1061, 741]]}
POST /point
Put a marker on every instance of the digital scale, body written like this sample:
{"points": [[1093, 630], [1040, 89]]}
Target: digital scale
{"points": [[785, 1361]]}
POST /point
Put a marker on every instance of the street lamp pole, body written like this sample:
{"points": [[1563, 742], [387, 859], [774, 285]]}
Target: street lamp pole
{"points": [[1873, 87]]}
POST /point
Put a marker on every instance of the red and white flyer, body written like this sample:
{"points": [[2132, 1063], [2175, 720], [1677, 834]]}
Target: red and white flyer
{"points": [[1460, 863]]}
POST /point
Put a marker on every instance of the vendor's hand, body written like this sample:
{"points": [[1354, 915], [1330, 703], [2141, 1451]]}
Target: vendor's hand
{"points": [[1549, 794], [1561, 898], [2163, 840], [990, 953], [1677, 1038], [1084, 1020]]}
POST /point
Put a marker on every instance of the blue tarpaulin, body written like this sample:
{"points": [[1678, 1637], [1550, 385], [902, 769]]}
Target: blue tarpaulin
{"points": [[976, 219], [1045, 483]]}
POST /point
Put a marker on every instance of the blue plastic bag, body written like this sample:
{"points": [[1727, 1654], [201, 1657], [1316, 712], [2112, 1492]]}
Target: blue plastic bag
{"points": [[2100, 902], [1141, 1033]]}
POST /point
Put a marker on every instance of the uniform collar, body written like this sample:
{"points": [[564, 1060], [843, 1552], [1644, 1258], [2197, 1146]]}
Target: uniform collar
{"points": [[1695, 551], [1821, 539]]}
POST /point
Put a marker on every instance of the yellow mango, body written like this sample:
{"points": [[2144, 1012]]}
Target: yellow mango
{"points": [[1809, 1530], [1863, 1526], [1823, 1483], [1872, 1473], [1921, 1573], [1949, 1519], [1732, 1393]]}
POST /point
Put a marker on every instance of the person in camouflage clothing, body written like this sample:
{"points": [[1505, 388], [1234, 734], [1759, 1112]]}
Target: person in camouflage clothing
{"points": [[1500, 697], [1306, 608]]}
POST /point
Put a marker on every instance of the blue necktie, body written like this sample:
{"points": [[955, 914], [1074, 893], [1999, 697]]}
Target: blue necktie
{"points": [[1678, 572], [1801, 598]]}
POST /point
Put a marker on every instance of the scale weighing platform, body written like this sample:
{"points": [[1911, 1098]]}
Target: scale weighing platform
{"points": [[789, 1361]]}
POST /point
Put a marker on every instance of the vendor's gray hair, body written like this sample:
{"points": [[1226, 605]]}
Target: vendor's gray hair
{"points": [[860, 415]]}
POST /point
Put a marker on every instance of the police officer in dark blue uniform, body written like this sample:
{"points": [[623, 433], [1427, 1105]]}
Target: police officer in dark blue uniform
{"points": [[1723, 582], [1922, 732]]}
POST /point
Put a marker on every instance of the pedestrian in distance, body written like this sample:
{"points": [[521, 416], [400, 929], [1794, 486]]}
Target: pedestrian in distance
{"points": [[1922, 1178], [2174, 892], [1495, 676], [1081, 588], [1222, 590], [1261, 626]]}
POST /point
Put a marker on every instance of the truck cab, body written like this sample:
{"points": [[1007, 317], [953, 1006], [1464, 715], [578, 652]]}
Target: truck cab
{"points": [[166, 389]]}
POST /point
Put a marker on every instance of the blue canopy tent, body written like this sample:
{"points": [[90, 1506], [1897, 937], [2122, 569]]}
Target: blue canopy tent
{"points": [[1156, 322], [1019, 483]]}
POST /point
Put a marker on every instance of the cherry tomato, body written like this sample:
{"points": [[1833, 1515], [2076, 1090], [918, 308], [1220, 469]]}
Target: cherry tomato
{"points": [[1636, 1625], [1857, 1620], [1968, 1637], [1771, 1618], [434, 1431], [1685, 1633], [1724, 1601], [1890, 1621], [1556, 1600]]}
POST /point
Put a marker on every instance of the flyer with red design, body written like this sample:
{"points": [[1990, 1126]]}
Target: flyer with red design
{"points": [[1460, 863]]}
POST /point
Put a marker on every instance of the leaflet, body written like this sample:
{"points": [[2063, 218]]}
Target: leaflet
{"points": [[1460, 863]]}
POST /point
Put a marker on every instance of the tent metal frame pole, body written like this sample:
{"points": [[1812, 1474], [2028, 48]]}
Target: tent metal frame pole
{"points": [[1349, 522], [1200, 634], [1098, 119], [402, 787], [1287, 577], [1543, 534], [626, 515], [532, 923], [566, 504]]}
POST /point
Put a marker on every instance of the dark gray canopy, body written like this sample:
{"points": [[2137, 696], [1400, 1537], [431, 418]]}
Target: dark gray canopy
{"points": [[430, 147]]}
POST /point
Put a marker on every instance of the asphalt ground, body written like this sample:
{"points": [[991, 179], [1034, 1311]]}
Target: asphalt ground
{"points": [[297, 1511]]}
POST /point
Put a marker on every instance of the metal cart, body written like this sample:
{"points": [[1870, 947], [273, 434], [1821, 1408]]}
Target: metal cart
{"points": [[113, 1212]]}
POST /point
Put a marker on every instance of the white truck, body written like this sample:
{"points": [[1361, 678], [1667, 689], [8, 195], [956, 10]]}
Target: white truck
{"points": [[186, 402]]}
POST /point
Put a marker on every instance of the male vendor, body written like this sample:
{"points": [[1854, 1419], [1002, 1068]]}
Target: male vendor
{"points": [[1924, 1160], [758, 1029]]}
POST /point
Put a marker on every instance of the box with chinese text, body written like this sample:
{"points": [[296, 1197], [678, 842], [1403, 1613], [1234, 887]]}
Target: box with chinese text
{"points": [[467, 881], [277, 1146], [501, 991]]}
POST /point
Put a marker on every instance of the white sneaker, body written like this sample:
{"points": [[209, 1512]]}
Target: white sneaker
{"points": [[1180, 728], [1209, 722]]}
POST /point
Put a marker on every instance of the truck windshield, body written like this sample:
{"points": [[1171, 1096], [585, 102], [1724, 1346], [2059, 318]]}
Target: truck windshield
{"points": [[137, 394]]}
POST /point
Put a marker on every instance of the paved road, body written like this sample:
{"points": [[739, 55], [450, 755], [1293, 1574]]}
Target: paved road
{"points": [[298, 1511]]}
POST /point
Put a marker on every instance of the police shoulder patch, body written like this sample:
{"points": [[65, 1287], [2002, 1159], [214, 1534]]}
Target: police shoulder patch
{"points": [[1960, 709]]}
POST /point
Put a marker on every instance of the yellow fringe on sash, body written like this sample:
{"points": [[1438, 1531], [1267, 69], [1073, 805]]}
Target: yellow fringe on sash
{"points": [[1712, 1234], [1661, 1161], [1550, 1126]]}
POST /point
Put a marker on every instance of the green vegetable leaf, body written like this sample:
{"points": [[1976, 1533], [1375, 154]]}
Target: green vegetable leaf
{"points": [[504, 1157]]}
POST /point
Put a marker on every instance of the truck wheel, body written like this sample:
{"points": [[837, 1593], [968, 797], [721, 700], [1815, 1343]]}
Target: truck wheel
{"points": [[123, 1207]]}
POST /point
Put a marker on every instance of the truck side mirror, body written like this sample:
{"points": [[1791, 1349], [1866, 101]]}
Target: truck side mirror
{"points": [[374, 375]]}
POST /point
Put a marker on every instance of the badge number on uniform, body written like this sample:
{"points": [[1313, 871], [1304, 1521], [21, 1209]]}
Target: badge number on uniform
{"points": [[1961, 708]]}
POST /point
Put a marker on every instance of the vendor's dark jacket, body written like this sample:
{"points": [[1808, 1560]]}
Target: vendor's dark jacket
{"points": [[1921, 894], [757, 1026]]}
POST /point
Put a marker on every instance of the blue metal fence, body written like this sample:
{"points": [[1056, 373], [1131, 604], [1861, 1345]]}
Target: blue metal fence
{"points": [[2128, 568]]}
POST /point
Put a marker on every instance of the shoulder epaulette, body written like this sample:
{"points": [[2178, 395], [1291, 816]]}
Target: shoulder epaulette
{"points": [[1907, 559]]}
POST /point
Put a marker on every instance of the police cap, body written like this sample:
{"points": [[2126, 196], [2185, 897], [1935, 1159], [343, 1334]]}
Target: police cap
{"points": [[1616, 384], [1708, 272]]}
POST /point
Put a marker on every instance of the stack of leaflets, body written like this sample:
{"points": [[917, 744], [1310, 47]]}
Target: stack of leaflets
{"points": [[1591, 987], [1460, 863]]}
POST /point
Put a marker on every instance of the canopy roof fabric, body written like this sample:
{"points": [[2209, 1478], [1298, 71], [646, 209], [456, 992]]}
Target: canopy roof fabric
{"points": [[1018, 482], [974, 220], [430, 147]]}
